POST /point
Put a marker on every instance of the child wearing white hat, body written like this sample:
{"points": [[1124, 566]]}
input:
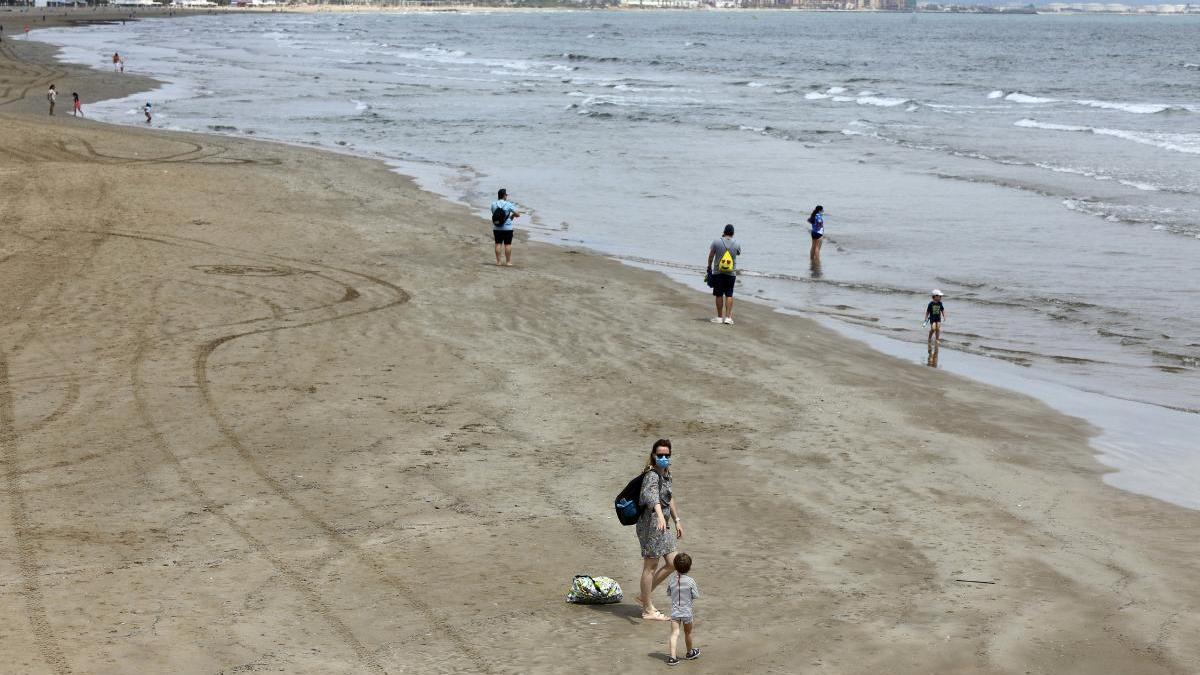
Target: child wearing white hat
{"points": [[935, 314]]}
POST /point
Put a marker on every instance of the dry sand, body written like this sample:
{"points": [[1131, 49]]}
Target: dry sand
{"points": [[269, 409]]}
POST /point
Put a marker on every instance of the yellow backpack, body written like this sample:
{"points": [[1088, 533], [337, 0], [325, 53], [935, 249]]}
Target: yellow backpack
{"points": [[725, 264]]}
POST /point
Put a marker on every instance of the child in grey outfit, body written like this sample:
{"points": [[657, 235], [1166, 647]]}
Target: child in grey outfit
{"points": [[682, 590]]}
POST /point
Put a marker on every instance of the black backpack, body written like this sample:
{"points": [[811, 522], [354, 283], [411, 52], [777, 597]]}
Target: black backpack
{"points": [[628, 503], [499, 216]]}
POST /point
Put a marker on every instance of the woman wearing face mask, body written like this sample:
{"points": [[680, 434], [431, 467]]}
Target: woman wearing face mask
{"points": [[653, 531]]}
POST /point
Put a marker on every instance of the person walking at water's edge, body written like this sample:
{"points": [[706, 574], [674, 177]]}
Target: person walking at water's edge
{"points": [[52, 97], [725, 251], [682, 590], [146, 111], [655, 536], [76, 103], [935, 314], [816, 224], [504, 213]]}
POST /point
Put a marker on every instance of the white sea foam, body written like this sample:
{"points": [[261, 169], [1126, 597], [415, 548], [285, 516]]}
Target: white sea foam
{"points": [[360, 106], [433, 49], [756, 84], [1148, 187], [1018, 97], [1034, 124], [1140, 186], [880, 101], [815, 96], [1186, 143], [836, 90], [1136, 108], [996, 94]]}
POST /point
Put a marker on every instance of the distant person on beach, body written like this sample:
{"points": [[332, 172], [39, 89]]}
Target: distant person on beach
{"points": [[816, 224], [682, 590], [146, 110], [724, 251], [935, 314], [504, 213], [116, 59], [52, 98], [78, 106], [655, 536]]}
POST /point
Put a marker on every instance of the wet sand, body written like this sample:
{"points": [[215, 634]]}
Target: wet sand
{"points": [[269, 409]]}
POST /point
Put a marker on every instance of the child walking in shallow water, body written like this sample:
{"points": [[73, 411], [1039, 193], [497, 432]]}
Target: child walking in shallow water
{"points": [[682, 590], [935, 313]]}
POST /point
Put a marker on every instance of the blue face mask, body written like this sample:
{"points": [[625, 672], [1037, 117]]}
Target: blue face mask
{"points": [[662, 462]]}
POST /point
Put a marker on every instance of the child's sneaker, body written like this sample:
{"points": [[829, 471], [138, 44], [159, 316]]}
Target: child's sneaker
{"points": [[672, 661], [692, 654]]}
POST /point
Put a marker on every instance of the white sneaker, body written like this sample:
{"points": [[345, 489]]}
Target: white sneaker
{"points": [[716, 319], [729, 321]]}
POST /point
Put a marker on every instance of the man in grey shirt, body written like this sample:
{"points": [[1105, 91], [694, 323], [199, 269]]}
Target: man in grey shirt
{"points": [[725, 252]]}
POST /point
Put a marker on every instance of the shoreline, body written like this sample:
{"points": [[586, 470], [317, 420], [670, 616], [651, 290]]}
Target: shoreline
{"points": [[864, 483], [1152, 470]]}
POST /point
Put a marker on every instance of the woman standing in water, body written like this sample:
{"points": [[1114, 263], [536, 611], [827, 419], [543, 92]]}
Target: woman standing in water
{"points": [[816, 223], [653, 531]]}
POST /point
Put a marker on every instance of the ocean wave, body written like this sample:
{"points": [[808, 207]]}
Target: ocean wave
{"points": [[836, 90], [1018, 97], [640, 101], [1034, 124], [877, 101], [1185, 143], [1148, 187], [880, 101], [571, 56], [996, 94], [434, 49], [1136, 108], [1095, 175]]}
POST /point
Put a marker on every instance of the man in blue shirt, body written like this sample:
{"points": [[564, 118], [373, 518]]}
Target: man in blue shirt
{"points": [[504, 213]]}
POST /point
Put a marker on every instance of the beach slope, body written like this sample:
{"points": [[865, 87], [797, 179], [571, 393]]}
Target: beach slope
{"points": [[269, 409]]}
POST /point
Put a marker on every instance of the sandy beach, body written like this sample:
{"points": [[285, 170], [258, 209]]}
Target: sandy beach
{"points": [[264, 408]]}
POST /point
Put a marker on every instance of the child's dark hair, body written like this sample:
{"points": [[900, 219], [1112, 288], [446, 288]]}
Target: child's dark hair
{"points": [[683, 563]]}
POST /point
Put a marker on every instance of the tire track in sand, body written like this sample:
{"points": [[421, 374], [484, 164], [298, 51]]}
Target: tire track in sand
{"points": [[393, 296], [31, 589]]}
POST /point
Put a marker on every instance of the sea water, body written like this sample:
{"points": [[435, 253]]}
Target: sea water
{"points": [[1042, 171]]}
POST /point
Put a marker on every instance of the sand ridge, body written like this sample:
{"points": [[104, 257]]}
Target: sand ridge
{"points": [[269, 409]]}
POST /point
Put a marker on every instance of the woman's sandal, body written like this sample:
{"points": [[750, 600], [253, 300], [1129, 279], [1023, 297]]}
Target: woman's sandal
{"points": [[654, 616]]}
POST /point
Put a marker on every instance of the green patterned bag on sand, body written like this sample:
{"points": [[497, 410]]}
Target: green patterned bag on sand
{"points": [[589, 590]]}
